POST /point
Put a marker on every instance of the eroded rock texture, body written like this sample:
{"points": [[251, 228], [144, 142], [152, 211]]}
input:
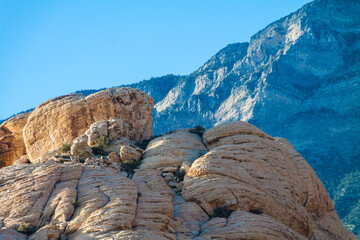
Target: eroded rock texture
{"points": [[178, 148], [247, 186], [247, 170], [65, 118], [12, 145]]}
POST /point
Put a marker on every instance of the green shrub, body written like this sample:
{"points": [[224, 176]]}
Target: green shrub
{"points": [[75, 203], [26, 228], [223, 211], [102, 141], [98, 150], [199, 130], [65, 148], [130, 166]]}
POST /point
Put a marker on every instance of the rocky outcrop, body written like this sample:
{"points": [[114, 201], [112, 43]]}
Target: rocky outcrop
{"points": [[298, 78], [247, 170], [12, 145], [65, 118], [176, 149], [80, 147], [247, 186]]}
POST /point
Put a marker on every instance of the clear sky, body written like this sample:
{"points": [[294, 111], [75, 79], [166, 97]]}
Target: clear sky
{"points": [[51, 48]]}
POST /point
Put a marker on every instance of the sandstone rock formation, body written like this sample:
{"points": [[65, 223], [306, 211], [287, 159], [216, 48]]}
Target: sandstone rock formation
{"points": [[248, 186], [178, 148], [247, 170], [129, 153], [12, 145], [65, 118]]}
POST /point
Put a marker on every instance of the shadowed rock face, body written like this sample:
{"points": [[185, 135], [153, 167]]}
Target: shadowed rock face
{"points": [[63, 119], [265, 188], [12, 145]]}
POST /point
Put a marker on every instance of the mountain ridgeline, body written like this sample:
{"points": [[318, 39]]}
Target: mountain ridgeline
{"points": [[298, 78]]}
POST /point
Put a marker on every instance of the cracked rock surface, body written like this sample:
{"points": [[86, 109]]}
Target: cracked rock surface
{"points": [[248, 185], [61, 120]]}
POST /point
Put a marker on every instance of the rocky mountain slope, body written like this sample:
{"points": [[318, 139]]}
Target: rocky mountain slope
{"points": [[91, 181], [298, 78]]}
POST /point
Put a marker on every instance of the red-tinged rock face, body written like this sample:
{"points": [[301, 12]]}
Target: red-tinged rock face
{"points": [[63, 119]]}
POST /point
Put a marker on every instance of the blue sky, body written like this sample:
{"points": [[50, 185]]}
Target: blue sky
{"points": [[51, 48]]}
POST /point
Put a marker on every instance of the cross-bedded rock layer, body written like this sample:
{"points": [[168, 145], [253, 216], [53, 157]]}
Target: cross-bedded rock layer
{"points": [[248, 185]]}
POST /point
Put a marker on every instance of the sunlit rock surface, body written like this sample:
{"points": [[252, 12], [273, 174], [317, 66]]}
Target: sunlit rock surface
{"points": [[247, 186]]}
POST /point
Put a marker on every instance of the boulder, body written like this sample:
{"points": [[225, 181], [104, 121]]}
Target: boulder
{"points": [[114, 146], [114, 129], [12, 145], [130, 153], [173, 150], [114, 157], [61, 120], [80, 147], [96, 130], [248, 171]]}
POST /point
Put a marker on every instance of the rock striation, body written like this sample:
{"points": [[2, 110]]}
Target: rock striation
{"points": [[65, 118], [251, 173], [177, 148], [240, 183], [119, 114]]}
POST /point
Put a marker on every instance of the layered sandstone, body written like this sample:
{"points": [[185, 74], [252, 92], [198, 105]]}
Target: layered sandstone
{"points": [[177, 148], [248, 171], [12, 145], [247, 186], [65, 118]]}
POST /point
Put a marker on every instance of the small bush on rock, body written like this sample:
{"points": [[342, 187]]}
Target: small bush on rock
{"points": [[102, 141], [26, 228], [75, 203], [222, 211], [65, 148], [130, 166], [98, 150], [199, 130]]}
